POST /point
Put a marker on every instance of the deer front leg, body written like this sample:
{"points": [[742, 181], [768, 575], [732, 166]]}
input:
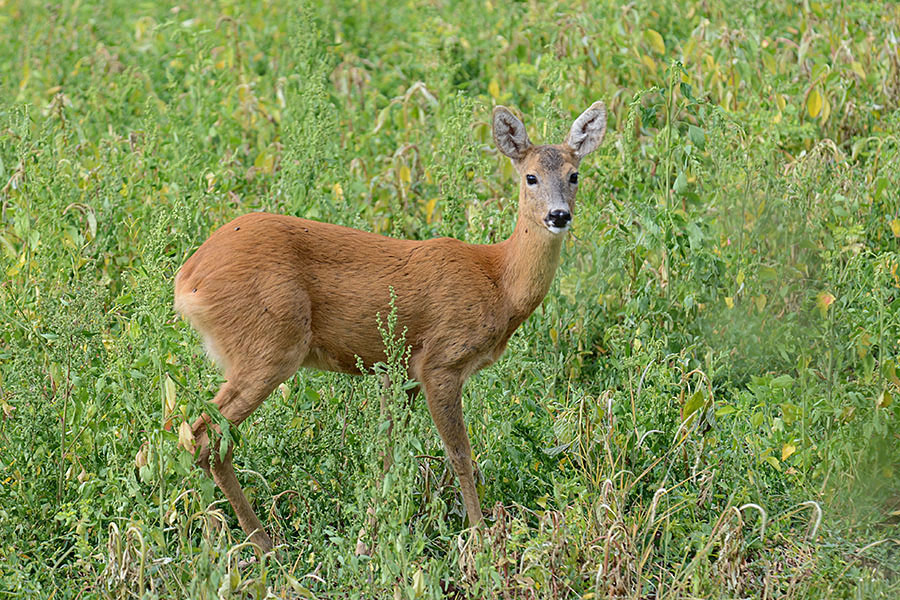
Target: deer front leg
{"points": [[443, 393], [386, 415]]}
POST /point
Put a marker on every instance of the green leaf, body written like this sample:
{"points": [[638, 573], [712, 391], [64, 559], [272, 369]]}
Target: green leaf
{"points": [[697, 136], [782, 381], [757, 419], [695, 236], [680, 185], [693, 404], [724, 410]]}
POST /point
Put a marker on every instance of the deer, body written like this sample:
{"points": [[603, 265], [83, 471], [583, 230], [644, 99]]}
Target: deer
{"points": [[270, 294]]}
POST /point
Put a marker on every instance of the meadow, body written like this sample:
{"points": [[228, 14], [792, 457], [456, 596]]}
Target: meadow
{"points": [[704, 406]]}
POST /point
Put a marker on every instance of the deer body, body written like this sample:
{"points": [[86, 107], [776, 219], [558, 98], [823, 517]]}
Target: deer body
{"points": [[270, 294], [349, 284]]}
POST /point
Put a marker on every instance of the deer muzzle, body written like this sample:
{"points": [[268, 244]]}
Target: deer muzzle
{"points": [[557, 221]]}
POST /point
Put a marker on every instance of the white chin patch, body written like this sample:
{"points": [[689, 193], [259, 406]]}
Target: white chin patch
{"points": [[555, 230]]}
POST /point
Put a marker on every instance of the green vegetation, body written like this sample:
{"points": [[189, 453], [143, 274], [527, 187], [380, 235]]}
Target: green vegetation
{"points": [[705, 405]]}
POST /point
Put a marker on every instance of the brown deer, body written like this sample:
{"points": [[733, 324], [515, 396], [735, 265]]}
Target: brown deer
{"points": [[270, 294]]}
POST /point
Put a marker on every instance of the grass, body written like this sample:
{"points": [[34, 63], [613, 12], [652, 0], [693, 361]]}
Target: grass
{"points": [[704, 405]]}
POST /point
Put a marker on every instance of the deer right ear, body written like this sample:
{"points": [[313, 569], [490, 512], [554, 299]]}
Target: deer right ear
{"points": [[509, 134]]}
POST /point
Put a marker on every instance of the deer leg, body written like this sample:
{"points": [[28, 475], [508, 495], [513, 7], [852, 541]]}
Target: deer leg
{"points": [[236, 401], [386, 415], [443, 393], [410, 402], [223, 475]]}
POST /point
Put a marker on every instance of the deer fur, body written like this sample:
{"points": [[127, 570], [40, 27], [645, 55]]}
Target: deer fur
{"points": [[271, 293]]}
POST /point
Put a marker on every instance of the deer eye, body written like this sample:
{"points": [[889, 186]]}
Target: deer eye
{"points": [[573, 178], [531, 180]]}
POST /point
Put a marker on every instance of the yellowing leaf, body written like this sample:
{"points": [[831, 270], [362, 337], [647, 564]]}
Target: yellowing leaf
{"points": [[780, 101], [847, 413], [169, 391], [858, 69], [264, 162], [648, 62], [884, 399], [418, 586], [689, 48], [891, 371], [655, 40], [787, 450], [494, 89], [814, 103], [826, 110], [405, 175], [767, 273], [186, 437], [824, 301], [140, 458], [895, 227], [863, 343], [729, 301], [429, 210]]}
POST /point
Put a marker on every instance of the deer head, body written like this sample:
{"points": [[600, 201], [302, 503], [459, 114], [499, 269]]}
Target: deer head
{"points": [[548, 174]]}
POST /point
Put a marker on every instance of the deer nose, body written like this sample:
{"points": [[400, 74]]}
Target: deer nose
{"points": [[558, 219]]}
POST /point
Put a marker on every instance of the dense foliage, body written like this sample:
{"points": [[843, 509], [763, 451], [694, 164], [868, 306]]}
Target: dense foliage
{"points": [[704, 405]]}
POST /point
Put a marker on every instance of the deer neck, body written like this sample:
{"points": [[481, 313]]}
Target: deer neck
{"points": [[530, 258]]}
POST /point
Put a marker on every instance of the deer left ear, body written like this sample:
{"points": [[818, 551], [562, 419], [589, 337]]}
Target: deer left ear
{"points": [[587, 130]]}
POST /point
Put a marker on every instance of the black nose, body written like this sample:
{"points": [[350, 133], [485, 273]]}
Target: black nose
{"points": [[559, 218]]}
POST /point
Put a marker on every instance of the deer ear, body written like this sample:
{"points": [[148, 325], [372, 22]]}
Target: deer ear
{"points": [[587, 130], [509, 134]]}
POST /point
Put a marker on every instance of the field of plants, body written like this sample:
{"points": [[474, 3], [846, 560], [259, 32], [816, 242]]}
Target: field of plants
{"points": [[704, 406]]}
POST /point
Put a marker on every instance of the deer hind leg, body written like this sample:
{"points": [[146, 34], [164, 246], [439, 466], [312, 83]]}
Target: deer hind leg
{"points": [[224, 476], [236, 400], [260, 348], [443, 393], [245, 388]]}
